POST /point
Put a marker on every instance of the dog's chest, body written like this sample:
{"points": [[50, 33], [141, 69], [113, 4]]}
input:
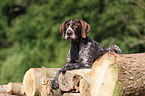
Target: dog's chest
{"points": [[86, 53], [82, 53]]}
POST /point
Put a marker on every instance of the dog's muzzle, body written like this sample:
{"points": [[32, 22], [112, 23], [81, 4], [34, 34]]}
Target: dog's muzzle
{"points": [[70, 34]]}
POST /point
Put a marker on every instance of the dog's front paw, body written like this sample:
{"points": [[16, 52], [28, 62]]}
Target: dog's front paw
{"points": [[54, 84]]}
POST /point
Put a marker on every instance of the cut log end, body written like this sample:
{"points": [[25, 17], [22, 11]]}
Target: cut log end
{"points": [[15, 88], [118, 74], [31, 81], [75, 80], [105, 76], [37, 81]]}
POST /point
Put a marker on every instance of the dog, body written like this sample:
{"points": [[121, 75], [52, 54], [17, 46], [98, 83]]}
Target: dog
{"points": [[84, 51]]}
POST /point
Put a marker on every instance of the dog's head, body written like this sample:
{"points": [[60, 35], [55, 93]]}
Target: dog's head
{"points": [[74, 29]]}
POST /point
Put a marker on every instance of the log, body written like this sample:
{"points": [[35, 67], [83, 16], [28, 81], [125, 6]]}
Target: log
{"points": [[71, 94], [3, 88], [37, 80], [117, 75], [3, 91], [7, 94], [54, 92], [31, 82], [45, 88], [15, 88], [75, 81], [46, 77]]}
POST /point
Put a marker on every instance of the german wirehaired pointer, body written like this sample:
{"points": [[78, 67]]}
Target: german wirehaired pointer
{"points": [[84, 51]]}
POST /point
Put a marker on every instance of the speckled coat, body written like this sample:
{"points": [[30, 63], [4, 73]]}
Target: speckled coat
{"points": [[83, 52]]}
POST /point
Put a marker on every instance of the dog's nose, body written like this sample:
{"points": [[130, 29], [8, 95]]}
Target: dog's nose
{"points": [[69, 33]]}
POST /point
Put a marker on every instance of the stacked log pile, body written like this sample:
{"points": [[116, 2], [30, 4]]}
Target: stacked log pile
{"points": [[111, 75]]}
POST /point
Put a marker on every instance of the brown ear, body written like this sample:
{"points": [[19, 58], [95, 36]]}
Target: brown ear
{"points": [[62, 28], [85, 28]]}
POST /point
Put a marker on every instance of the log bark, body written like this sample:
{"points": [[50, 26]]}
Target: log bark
{"points": [[117, 75], [75, 81], [36, 81], [15, 88]]}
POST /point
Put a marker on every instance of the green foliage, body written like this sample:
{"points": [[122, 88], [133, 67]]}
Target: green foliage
{"points": [[30, 37]]}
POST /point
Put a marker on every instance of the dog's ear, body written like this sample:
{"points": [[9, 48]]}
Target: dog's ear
{"points": [[62, 28], [85, 28]]}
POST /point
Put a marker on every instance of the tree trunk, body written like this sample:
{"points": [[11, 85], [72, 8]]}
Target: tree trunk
{"points": [[15, 88], [118, 74], [75, 81], [37, 81]]}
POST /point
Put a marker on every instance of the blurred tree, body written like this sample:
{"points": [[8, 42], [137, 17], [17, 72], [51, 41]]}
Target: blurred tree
{"points": [[30, 37]]}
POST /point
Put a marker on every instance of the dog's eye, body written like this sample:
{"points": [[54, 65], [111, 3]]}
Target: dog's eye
{"points": [[66, 25], [75, 25]]}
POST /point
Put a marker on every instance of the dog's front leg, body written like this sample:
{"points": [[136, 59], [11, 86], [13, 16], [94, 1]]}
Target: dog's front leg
{"points": [[54, 83]]}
